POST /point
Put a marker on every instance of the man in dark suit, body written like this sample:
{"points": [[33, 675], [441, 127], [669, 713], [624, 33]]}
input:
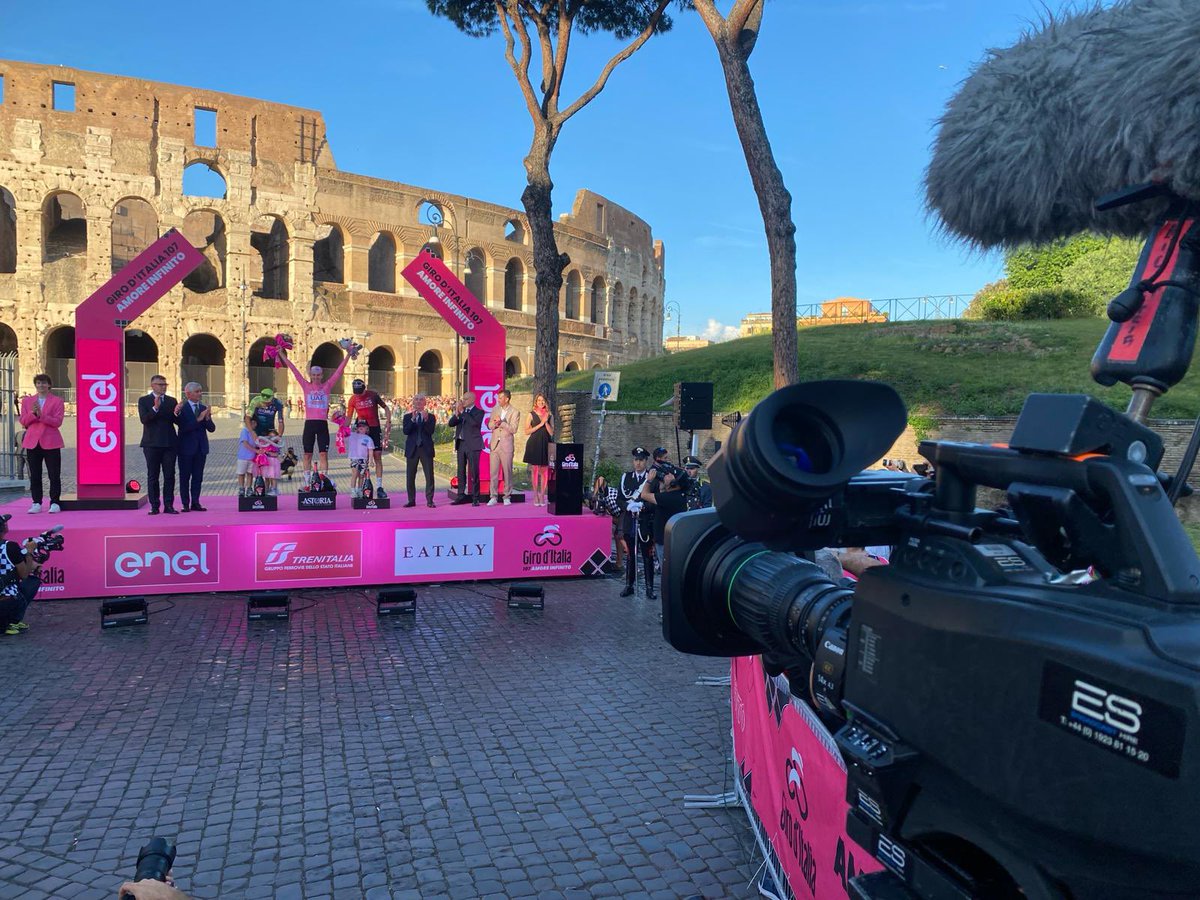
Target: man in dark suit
{"points": [[159, 443], [418, 428], [195, 425], [467, 423]]}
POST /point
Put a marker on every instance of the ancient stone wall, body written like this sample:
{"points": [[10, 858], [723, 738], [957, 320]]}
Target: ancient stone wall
{"points": [[93, 167]]}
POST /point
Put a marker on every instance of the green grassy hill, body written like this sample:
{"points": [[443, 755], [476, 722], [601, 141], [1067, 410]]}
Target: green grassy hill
{"points": [[966, 368]]}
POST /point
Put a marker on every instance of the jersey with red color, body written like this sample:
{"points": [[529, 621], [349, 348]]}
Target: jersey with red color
{"points": [[366, 405]]}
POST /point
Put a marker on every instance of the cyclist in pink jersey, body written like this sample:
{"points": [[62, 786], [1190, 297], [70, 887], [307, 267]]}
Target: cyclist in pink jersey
{"points": [[316, 411]]}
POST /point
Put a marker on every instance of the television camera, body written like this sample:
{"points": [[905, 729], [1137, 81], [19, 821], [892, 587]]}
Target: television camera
{"points": [[1017, 695], [49, 541]]}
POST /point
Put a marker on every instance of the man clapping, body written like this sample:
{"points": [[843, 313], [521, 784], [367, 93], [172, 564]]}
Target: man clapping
{"points": [[418, 426]]}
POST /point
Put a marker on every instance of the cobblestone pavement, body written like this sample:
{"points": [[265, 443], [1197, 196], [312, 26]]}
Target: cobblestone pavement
{"points": [[472, 751]]}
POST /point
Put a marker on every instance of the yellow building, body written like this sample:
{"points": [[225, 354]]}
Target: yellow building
{"points": [[839, 311], [686, 342]]}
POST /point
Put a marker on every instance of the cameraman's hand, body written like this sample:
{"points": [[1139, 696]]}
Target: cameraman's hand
{"points": [[150, 890], [856, 560]]}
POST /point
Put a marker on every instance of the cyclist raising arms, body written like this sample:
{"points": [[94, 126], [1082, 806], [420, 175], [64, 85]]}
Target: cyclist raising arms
{"points": [[316, 412], [367, 404]]}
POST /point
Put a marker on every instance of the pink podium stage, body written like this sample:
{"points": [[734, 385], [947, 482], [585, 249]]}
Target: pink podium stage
{"points": [[117, 553]]}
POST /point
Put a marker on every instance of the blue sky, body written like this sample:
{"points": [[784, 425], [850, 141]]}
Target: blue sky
{"points": [[850, 91]]}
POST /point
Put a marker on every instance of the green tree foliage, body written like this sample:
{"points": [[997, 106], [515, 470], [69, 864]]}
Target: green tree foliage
{"points": [[543, 29], [480, 18], [1032, 268], [1061, 280], [1105, 272]]}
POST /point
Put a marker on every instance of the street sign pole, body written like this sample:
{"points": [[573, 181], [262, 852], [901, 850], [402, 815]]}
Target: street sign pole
{"points": [[605, 386], [599, 438]]}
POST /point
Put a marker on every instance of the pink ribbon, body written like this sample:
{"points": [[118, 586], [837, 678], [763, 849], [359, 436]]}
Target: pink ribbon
{"points": [[271, 351]]}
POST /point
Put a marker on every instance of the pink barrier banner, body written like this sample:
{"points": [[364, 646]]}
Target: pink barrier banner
{"points": [[100, 323], [120, 553], [794, 782], [470, 319]]}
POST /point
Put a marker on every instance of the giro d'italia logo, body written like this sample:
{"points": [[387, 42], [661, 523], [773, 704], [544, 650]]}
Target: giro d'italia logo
{"points": [[550, 536]]}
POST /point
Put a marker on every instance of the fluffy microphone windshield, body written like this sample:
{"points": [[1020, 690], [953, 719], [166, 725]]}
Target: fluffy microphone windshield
{"points": [[1091, 103]]}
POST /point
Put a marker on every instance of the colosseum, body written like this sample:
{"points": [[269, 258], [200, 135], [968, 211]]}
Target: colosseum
{"points": [[94, 167]]}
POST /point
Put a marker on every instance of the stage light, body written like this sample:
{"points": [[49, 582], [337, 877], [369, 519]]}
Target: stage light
{"points": [[124, 611], [526, 596], [390, 601], [133, 486], [267, 605]]}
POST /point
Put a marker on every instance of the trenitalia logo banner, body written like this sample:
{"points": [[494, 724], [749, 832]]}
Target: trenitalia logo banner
{"points": [[178, 560], [305, 555], [470, 319], [100, 323]]}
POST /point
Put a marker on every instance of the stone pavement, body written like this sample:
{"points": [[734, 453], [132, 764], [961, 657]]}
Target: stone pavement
{"points": [[472, 751]]}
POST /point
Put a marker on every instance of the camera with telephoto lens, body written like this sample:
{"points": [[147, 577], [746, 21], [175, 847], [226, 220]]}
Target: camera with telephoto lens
{"points": [[49, 541], [1017, 695], [154, 862]]}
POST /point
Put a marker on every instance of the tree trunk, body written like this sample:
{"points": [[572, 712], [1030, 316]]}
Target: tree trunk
{"points": [[774, 202], [548, 263]]}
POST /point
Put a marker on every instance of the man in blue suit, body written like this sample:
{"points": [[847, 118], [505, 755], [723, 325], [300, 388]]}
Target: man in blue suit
{"points": [[195, 424]]}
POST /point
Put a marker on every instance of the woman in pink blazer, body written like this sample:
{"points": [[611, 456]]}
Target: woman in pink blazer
{"points": [[41, 415]]}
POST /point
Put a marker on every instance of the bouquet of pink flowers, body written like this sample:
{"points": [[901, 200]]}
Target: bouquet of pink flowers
{"points": [[350, 347], [343, 432]]}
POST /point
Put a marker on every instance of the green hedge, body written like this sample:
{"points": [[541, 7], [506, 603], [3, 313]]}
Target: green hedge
{"points": [[998, 302]]}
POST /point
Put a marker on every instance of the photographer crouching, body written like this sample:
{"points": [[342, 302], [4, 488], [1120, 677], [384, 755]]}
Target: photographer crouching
{"points": [[19, 581]]}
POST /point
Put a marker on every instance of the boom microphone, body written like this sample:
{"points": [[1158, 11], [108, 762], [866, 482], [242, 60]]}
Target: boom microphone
{"points": [[1089, 103]]}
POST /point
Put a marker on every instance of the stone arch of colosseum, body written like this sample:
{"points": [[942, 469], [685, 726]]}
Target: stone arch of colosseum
{"points": [[287, 247]]}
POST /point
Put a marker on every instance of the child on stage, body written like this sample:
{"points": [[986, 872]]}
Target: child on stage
{"points": [[246, 452], [268, 448], [359, 448]]}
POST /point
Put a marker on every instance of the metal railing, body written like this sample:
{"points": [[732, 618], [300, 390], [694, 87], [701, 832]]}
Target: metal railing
{"points": [[12, 456], [895, 309]]}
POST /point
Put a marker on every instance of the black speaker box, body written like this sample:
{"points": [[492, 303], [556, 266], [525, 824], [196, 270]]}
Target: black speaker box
{"points": [[694, 405]]}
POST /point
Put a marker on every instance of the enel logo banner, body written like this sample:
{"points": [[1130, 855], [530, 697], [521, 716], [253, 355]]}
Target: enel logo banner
{"points": [[186, 560]]}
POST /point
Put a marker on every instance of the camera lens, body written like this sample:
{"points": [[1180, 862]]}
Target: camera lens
{"points": [[797, 449], [747, 599], [784, 603], [807, 439]]}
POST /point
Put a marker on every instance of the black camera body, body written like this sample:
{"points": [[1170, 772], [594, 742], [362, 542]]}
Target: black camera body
{"points": [[1002, 723], [1017, 695], [1053, 727]]}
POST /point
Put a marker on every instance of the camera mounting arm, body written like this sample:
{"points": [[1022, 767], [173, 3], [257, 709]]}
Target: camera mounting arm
{"points": [[1150, 342], [1101, 511]]}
